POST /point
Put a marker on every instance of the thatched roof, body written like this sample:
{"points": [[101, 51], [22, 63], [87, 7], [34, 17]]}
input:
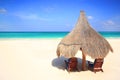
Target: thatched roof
{"points": [[85, 37]]}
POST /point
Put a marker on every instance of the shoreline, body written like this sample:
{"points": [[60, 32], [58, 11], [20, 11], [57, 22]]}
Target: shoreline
{"points": [[48, 35], [52, 38]]}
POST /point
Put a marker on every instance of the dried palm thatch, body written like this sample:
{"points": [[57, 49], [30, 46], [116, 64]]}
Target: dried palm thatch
{"points": [[85, 37]]}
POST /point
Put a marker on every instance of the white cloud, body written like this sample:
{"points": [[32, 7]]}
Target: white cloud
{"points": [[25, 16], [29, 16], [109, 23], [2, 10], [89, 17]]}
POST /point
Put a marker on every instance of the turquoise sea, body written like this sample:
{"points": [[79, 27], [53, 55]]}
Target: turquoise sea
{"points": [[49, 34]]}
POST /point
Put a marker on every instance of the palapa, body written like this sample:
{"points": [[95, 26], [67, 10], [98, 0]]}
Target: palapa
{"points": [[84, 37]]}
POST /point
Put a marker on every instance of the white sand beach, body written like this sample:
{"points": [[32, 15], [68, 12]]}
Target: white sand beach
{"points": [[35, 59]]}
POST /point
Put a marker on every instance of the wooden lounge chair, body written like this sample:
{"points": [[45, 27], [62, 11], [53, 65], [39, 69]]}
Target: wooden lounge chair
{"points": [[96, 66], [71, 64]]}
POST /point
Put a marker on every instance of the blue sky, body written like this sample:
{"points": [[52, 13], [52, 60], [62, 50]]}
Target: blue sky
{"points": [[58, 15]]}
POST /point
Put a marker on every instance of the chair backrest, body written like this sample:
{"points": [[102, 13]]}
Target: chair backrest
{"points": [[73, 62], [98, 63]]}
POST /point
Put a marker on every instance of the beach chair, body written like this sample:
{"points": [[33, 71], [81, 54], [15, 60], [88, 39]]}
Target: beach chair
{"points": [[71, 64], [96, 66]]}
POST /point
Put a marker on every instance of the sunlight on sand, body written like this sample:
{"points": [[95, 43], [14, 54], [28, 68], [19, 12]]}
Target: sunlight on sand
{"points": [[36, 59]]}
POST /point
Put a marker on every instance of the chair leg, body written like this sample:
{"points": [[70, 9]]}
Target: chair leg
{"points": [[102, 70], [97, 70], [94, 70], [69, 69]]}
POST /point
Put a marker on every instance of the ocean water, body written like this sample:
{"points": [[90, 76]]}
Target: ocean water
{"points": [[49, 34]]}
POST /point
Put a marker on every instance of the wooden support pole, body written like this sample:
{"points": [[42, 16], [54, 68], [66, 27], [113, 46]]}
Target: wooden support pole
{"points": [[83, 61]]}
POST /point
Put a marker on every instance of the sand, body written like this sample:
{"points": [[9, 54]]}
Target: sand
{"points": [[35, 59]]}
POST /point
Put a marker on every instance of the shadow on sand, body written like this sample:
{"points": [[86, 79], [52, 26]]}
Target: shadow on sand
{"points": [[60, 64]]}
